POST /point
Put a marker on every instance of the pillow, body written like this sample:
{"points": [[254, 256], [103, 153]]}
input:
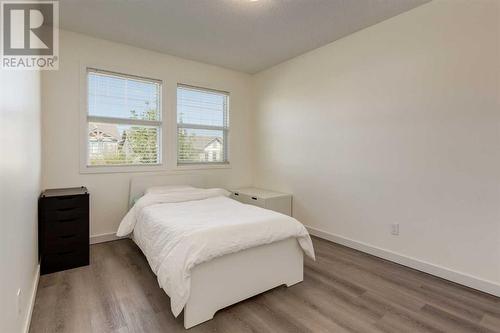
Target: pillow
{"points": [[168, 189]]}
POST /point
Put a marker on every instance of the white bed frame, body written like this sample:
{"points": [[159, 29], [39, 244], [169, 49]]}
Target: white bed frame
{"points": [[234, 277]]}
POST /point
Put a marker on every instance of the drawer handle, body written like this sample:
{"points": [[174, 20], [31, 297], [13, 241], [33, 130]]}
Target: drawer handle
{"points": [[65, 209], [254, 198], [65, 252], [67, 236], [68, 220]]}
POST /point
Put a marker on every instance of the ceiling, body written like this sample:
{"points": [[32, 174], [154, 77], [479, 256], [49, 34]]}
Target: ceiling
{"points": [[244, 35]]}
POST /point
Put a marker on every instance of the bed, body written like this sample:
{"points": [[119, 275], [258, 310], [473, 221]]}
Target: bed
{"points": [[207, 250]]}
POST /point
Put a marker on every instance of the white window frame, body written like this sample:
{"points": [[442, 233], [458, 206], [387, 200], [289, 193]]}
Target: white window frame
{"points": [[85, 118], [225, 131]]}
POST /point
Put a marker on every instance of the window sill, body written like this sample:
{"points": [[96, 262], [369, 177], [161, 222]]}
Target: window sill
{"points": [[201, 166], [121, 168], [150, 168]]}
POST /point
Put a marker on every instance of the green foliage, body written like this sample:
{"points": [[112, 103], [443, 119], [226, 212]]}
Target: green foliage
{"points": [[141, 143], [185, 149], [110, 159], [138, 144]]}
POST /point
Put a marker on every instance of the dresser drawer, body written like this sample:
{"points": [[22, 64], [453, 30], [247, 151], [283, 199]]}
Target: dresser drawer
{"points": [[65, 242], [65, 227], [65, 202], [64, 214], [64, 259]]}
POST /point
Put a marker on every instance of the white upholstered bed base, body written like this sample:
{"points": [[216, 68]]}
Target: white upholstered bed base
{"points": [[235, 277]]}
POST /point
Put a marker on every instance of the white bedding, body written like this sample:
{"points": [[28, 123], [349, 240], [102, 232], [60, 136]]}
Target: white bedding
{"points": [[181, 229]]}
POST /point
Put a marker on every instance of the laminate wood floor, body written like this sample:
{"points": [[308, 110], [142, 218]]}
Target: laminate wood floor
{"points": [[343, 291]]}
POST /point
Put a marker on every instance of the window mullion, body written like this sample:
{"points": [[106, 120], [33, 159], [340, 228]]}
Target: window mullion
{"points": [[202, 127], [112, 120]]}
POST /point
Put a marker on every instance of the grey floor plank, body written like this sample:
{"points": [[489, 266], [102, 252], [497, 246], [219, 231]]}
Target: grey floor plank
{"points": [[343, 291]]}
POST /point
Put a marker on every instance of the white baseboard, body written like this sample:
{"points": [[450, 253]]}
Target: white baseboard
{"points": [[32, 300], [442, 272], [102, 238]]}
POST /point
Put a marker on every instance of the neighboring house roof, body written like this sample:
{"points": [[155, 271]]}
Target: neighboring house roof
{"points": [[200, 143], [108, 130]]}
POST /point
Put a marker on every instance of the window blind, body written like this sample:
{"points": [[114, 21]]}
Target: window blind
{"points": [[202, 126], [123, 119]]}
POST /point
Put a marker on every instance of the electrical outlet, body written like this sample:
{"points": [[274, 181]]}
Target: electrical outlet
{"points": [[395, 229], [18, 301]]}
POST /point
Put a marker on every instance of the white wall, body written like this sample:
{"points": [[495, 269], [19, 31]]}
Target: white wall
{"points": [[61, 106], [398, 123], [20, 170]]}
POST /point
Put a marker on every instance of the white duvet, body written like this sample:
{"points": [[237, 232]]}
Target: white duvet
{"points": [[181, 229]]}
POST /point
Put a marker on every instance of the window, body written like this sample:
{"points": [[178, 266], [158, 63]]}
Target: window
{"points": [[123, 119], [202, 126]]}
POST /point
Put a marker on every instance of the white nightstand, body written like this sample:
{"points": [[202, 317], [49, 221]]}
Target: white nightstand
{"points": [[279, 202]]}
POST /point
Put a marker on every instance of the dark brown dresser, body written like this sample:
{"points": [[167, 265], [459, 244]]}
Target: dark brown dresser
{"points": [[63, 229]]}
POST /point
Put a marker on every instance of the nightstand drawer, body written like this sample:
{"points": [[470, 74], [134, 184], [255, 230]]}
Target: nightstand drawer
{"points": [[256, 201], [248, 199], [279, 202]]}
